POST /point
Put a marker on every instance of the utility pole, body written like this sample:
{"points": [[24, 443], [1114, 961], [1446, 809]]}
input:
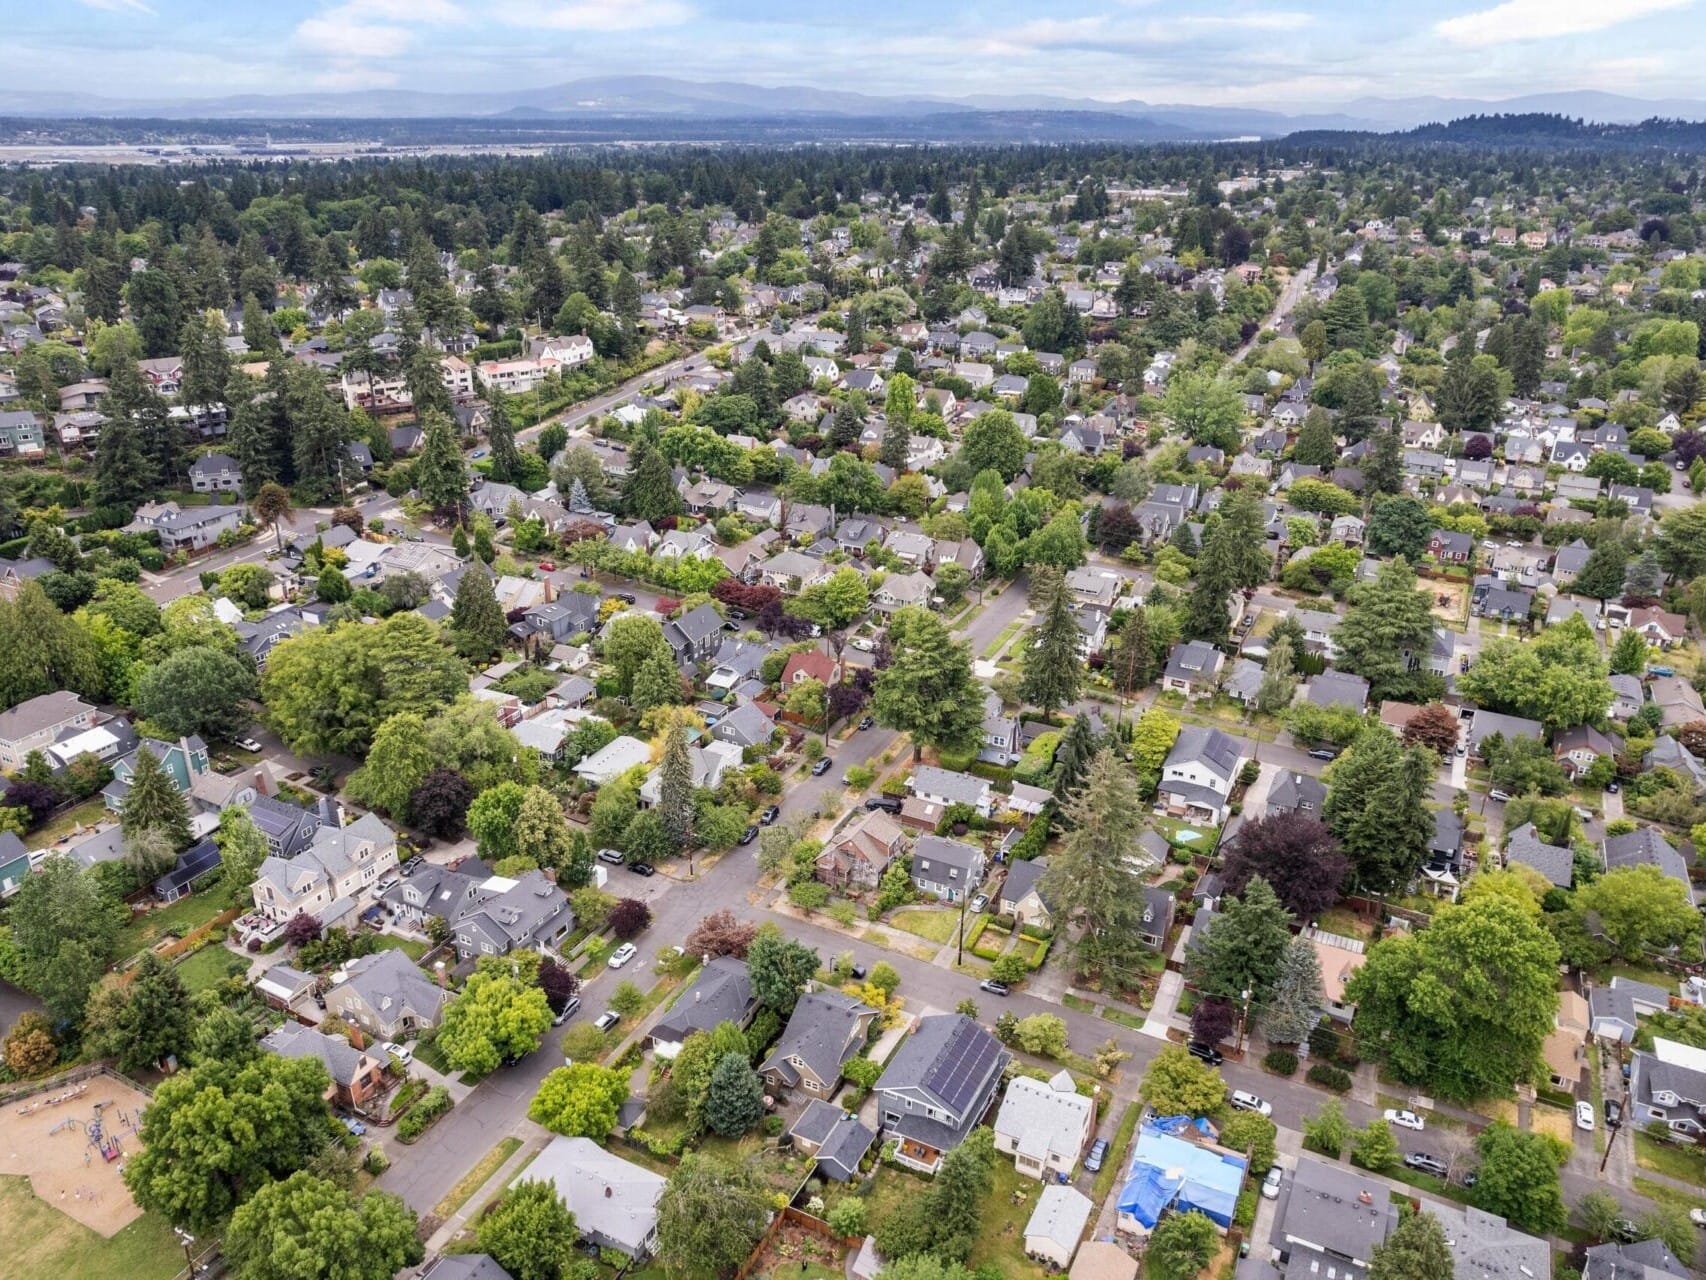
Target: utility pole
{"points": [[960, 937]]}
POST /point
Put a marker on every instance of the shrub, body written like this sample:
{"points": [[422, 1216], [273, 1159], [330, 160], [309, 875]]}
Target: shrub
{"points": [[1329, 1077], [1282, 1062], [422, 1114], [629, 918]]}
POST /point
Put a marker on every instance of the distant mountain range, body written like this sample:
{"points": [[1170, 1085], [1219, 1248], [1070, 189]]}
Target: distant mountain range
{"points": [[654, 97]]}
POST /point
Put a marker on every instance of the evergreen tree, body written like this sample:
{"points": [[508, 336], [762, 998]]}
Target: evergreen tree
{"points": [[143, 1022], [1602, 576], [675, 787], [845, 426], [1316, 446], [1383, 465], [154, 803], [928, 689], [1389, 622], [1094, 879], [1244, 948], [1134, 664], [476, 622], [1629, 654], [1377, 807], [1072, 760], [734, 1102], [1052, 667], [1295, 1004], [122, 471], [440, 474], [1468, 397], [500, 435], [649, 492]]}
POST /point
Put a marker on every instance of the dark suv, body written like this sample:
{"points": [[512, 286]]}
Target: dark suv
{"points": [[1207, 1052]]}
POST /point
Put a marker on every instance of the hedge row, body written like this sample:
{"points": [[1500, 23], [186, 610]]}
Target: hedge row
{"points": [[422, 1114], [1329, 1077]]}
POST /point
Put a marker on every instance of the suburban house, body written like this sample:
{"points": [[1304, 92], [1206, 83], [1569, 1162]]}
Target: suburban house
{"points": [[1175, 1169], [504, 914], [857, 858], [696, 635], [1200, 772], [14, 863], [386, 995], [1044, 1125], [946, 788], [834, 1137], [1525, 847], [946, 869], [1643, 1260], [1157, 919], [824, 1032], [1668, 1085], [35, 724], [1616, 1010], [325, 879], [188, 870], [1297, 793], [614, 1202], [1022, 895], [194, 529], [614, 759], [356, 1075], [1334, 1217], [1565, 1047], [1193, 669], [216, 473], [1645, 846], [937, 1086], [1339, 957], [1483, 1244], [721, 993]]}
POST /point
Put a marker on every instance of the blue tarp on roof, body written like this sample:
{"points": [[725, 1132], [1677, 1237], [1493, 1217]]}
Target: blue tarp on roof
{"points": [[1169, 1172]]}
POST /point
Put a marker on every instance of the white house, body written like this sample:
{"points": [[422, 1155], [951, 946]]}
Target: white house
{"points": [[613, 760], [1044, 1125]]}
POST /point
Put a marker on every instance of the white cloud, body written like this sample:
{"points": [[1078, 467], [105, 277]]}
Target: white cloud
{"points": [[118, 6], [1546, 19], [336, 34], [591, 15]]}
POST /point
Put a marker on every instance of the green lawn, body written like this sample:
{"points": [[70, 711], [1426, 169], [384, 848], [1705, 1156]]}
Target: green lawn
{"points": [[1664, 1193], [1001, 1241], [85, 813], [937, 925], [209, 967], [1427, 1182], [1682, 1163], [427, 1051], [1000, 642], [182, 917], [44, 1244], [1344, 922], [414, 948]]}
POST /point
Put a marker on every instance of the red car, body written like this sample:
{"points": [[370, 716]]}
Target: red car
{"points": [[547, 566]]}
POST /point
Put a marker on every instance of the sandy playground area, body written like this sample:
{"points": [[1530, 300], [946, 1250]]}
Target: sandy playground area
{"points": [[54, 1145]]}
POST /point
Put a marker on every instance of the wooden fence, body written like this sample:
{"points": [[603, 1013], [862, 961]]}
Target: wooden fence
{"points": [[88, 1071], [791, 1216]]}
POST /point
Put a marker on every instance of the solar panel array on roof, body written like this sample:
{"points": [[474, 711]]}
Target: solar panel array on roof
{"points": [[963, 1065]]}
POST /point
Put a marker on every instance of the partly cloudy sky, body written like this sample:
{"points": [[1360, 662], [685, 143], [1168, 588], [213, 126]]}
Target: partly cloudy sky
{"points": [[1284, 53]]}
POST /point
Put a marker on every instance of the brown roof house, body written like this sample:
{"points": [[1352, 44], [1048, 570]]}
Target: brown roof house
{"points": [[857, 858], [826, 1030], [357, 1076]]}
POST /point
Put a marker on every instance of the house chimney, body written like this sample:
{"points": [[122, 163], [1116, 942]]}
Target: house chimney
{"points": [[1364, 1197]]}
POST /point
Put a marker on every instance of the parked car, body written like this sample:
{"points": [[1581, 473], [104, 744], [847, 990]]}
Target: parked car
{"points": [[1500, 796], [1584, 1116], [355, 1126], [1098, 1153], [889, 804], [1612, 788], [570, 1008], [979, 903], [609, 1018], [1404, 1119], [1422, 1162], [246, 744], [864, 644], [1585, 814], [642, 869], [1207, 1052], [1242, 1101], [1271, 1183], [749, 835], [395, 1049], [866, 722], [1322, 753], [612, 856], [993, 987], [1613, 1113], [857, 970], [770, 814], [624, 953], [1697, 1217], [823, 766]]}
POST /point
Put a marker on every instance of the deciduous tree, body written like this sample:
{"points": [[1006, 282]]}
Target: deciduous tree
{"points": [[581, 1101], [307, 1226]]}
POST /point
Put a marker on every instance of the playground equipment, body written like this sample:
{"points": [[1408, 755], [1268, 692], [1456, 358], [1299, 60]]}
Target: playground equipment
{"points": [[108, 1145]]}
